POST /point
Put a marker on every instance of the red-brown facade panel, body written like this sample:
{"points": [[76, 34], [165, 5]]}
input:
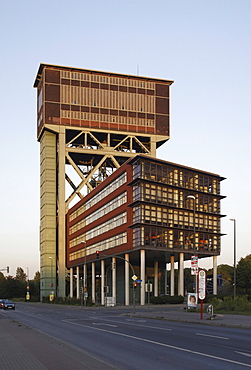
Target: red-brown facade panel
{"points": [[58, 84]]}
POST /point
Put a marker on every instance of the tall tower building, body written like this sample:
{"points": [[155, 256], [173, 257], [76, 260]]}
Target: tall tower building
{"points": [[88, 124]]}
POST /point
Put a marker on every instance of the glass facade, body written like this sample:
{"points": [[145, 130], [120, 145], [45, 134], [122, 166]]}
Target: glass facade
{"points": [[165, 207], [112, 242], [104, 210], [99, 196], [164, 216], [171, 175], [100, 229]]}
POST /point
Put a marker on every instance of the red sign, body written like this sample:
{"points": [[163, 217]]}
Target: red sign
{"points": [[194, 265]]}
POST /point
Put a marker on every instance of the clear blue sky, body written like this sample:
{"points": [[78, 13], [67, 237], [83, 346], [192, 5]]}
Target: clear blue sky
{"points": [[204, 46]]}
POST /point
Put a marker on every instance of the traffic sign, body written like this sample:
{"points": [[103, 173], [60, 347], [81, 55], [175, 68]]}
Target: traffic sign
{"points": [[202, 284], [134, 277], [194, 265]]}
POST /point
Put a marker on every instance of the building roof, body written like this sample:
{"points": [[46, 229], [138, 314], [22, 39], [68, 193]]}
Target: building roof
{"points": [[162, 161], [112, 74]]}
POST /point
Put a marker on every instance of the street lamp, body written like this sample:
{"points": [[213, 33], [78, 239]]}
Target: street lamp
{"points": [[84, 242], [193, 197], [51, 284], [233, 219], [194, 248], [27, 286]]}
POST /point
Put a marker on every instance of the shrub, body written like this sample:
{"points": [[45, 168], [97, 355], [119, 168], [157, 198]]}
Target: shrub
{"points": [[237, 304], [176, 299]]}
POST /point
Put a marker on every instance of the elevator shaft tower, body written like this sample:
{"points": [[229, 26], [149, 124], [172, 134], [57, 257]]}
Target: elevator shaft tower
{"points": [[88, 124]]}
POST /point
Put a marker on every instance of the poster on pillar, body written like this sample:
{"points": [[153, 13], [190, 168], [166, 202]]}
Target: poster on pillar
{"points": [[192, 300]]}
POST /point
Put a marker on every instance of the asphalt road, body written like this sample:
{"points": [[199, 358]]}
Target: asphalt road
{"points": [[136, 343]]}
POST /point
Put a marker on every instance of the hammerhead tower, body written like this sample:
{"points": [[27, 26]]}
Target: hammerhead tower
{"points": [[88, 124]]}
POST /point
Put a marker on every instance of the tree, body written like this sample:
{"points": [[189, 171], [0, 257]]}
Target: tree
{"points": [[243, 274], [226, 271], [2, 277], [20, 274], [37, 277], [189, 280]]}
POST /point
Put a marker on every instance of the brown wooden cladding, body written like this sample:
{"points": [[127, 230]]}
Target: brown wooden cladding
{"points": [[162, 90], [52, 92], [52, 112], [52, 76], [162, 106], [162, 125]]}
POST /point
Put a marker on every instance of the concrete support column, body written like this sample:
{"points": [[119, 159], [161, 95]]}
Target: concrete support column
{"points": [[215, 275], [127, 284], [114, 281], [156, 279], [78, 283], [71, 282], [153, 147], [61, 212], [48, 214], [93, 283], [85, 277], [142, 276], [181, 275], [166, 282], [172, 276], [102, 282]]}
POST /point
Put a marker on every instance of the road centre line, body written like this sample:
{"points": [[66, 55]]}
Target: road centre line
{"points": [[212, 336], [162, 344], [104, 324], [129, 323]]}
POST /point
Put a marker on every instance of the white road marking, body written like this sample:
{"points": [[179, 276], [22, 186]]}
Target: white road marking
{"points": [[104, 324], [163, 344], [212, 336], [143, 326], [244, 354]]}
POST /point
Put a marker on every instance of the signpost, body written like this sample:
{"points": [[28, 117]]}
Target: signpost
{"points": [[194, 265], [134, 278], [148, 290], [202, 290]]}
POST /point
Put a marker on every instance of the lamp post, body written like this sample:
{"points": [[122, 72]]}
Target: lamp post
{"points": [[85, 287], [194, 248], [51, 284], [193, 197], [233, 219], [27, 286]]}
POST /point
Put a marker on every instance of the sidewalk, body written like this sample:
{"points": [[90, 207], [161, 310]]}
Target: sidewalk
{"points": [[25, 348], [179, 314]]}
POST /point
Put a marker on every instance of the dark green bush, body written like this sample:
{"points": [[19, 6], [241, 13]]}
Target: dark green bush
{"points": [[237, 304], [61, 300], [176, 299], [158, 300], [166, 299]]}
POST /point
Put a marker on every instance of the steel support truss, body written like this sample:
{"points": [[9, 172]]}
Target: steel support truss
{"points": [[96, 155]]}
